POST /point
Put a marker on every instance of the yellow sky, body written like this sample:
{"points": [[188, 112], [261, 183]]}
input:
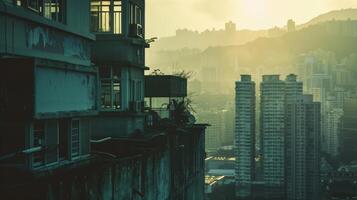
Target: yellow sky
{"points": [[165, 16]]}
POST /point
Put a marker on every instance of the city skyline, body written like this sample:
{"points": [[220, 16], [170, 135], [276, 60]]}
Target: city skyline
{"points": [[290, 124], [248, 14]]}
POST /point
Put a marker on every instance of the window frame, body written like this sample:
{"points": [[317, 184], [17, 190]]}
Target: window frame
{"points": [[112, 80], [76, 154], [41, 8], [40, 154], [114, 13]]}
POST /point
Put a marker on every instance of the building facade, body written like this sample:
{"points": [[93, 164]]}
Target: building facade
{"points": [[245, 136], [302, 149], [272, 130], [73, 122], [348, 132], [48, 84], [290, 128], [119, 53]]}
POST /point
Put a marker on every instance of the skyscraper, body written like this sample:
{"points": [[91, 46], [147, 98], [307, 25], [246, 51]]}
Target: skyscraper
{"points": [[290, 127], [245, 136], [272, 130], [295, 139], [313, 132], [302, 148]]}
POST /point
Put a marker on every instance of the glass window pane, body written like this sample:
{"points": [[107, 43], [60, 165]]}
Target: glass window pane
{"points": [[106, 94], [75, 143], [38, 140], [116, 91], [53, 9], [100, 16]]}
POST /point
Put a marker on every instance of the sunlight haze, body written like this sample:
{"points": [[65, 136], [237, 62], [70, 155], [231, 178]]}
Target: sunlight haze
{"points": [[169, 15]]}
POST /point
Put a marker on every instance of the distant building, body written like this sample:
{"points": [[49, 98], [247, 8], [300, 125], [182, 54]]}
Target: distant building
{"points": [[230, 27], [302, 148], [272, 129], [332, 131], [348, 132], [291, 25], [227, 137], [295, 140], [290, 128], [215, 130], [245, 136]]}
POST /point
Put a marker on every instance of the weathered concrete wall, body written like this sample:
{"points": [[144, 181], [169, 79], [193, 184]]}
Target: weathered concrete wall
{"points": [[176, 172], [24, 38], [58, 90], [117, 126]]}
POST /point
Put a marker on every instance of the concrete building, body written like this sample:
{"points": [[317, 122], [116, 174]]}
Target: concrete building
{"points": [[245, 136], [295, 140], [72, 130], [229, 124], [348, 132], [332, 131], [119, 53], [313, 132], [291, 25], [302, 148], [48, 84], [272, 129], [290, 126], [215, 131]]}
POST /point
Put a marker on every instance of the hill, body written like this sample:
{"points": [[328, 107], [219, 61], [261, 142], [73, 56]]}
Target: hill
{"points": [[344, 14]]}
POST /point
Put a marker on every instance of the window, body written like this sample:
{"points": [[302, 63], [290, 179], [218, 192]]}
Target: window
{"points": [[110, 88], [117, 17], [136, 14], [51, 9], [38, 141], [63, 139], [75, 140], [106, 16], [136, 23]]}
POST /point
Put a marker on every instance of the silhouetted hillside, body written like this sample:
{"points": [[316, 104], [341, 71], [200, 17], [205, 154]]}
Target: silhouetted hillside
{"points": [[281, 50], [344, 14], [276, 51]]}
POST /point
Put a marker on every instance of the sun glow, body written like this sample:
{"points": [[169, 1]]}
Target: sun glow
{"points": [[255, 10]]}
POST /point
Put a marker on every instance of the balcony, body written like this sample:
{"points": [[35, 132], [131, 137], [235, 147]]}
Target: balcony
{"points": [[168, 102], [119, 29], [170, 86]]}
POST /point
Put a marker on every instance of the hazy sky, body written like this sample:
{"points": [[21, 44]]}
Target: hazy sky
{"points": [[165, 16]]}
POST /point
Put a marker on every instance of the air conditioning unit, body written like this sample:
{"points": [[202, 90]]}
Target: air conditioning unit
{"points": [[136, 30]]}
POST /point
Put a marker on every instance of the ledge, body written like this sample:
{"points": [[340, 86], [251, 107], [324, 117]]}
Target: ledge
{"points": [[24, 14], [121, 113], [57, 115], [120, 37]]}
